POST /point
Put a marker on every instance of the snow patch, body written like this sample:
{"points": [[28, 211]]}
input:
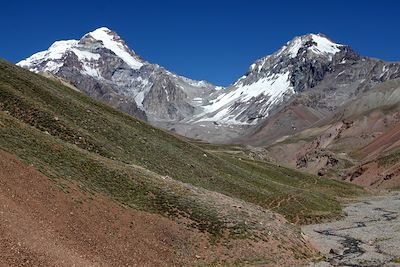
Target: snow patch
{"points": [[90, 71], [85, 55], [50, 56], [166, 93], [295, 47], [324, 46], [109, 42], [272, 87]]}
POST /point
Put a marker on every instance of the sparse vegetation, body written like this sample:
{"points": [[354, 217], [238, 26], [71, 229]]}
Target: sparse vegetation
{"points": [[389, 159], [65, 134]]}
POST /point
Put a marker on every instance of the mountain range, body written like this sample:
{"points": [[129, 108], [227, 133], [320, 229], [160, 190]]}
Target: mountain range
{"points": [[113, 160], [310, 83], [311, 72], [105, 188]]}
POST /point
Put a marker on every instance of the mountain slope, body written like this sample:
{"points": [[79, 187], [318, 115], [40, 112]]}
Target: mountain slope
{"points": [[104, 67], [306, 80], [71, 138], [42, 225], [359, 142], [299, 64], [345, 78], [307, 65]]}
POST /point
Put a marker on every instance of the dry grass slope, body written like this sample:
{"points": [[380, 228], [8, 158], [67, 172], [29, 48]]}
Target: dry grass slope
{"points": [[68, 136]]}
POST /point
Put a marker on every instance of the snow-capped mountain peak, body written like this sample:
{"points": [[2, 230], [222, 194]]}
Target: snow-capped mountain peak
{"points": [[298, 65], [52, 59], [324, 45], [48, 59], [102, 65], [113, 42], [316, 43]]}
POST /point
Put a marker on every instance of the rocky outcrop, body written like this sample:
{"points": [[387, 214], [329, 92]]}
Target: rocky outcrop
{"points": [[167, 101]]}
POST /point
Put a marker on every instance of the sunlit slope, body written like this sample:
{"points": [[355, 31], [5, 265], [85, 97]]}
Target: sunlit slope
{"points": [[67, 135]]}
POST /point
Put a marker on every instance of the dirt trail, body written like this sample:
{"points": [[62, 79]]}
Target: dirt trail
{"points": [[368, 236]]}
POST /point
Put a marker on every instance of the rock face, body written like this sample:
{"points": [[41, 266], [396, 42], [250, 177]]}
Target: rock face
{"points": [[271, 81], [167, 101], [320, 85], [306, 80], [102, 65], [310, 69]]}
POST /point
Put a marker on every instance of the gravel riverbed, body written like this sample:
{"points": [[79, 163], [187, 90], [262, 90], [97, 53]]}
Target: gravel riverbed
{"points": [[368, 236]]}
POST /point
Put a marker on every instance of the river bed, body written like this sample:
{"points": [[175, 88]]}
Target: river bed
{"points": [[368, 236]]}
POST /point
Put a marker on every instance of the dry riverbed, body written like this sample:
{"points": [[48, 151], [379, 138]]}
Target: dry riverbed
{"points": [[368, 236]]}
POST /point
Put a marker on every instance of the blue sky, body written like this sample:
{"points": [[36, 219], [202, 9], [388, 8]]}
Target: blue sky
{"points": [[211, 40]]}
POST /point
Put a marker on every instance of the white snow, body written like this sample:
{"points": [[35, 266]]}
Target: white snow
{"points": [[239, 80], [340, 73], [51, 66], [103, 34], [90, 71], [324, 46], [51, 55], [272, 87], [197, 101], [166, 92], [197, 83], [139, 99], [85, 55], [51, 59], [295, 47], [56, 50], [139, 79]]}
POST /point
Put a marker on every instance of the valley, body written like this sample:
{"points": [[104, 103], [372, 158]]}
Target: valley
{"points": [[108, 159], [231, 202]]}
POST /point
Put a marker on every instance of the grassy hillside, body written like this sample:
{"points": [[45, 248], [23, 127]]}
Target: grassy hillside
{"points": [[65, 134]]}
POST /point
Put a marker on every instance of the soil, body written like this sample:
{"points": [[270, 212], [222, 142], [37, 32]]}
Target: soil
{"points": [[45, 222], [42, 224], [387, 140]]}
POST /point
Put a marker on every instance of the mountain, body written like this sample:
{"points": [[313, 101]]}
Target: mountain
{"points": [[358, 142], [104, 67], [319, 83], [80, 174], [307, 63], [340, 121], [271, 80], [306, 80]]}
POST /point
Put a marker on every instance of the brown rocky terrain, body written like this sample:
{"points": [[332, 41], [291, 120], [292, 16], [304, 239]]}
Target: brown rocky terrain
{"points": [[359, 143], [48, 223], [45, 224]]}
